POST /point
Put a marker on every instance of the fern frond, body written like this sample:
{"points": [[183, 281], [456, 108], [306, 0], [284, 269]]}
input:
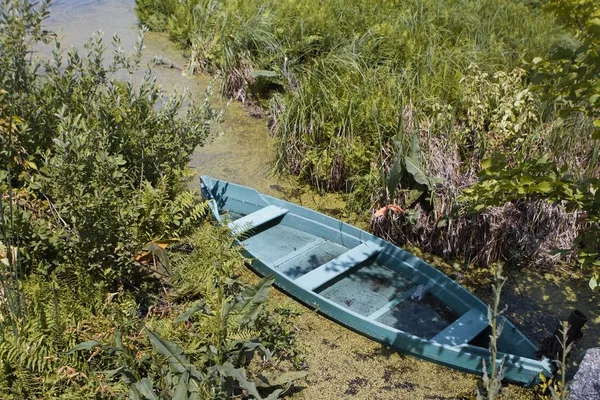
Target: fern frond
{"points": [[243, 334]]}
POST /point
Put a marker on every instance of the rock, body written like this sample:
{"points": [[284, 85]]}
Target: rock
{"points": [[586, 383]]}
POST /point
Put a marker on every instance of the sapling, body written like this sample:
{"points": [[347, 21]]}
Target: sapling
{"points": [[490, 386], [560, 392]]}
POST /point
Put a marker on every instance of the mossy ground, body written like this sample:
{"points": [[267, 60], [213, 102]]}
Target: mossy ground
{"points": [[341, 363]]}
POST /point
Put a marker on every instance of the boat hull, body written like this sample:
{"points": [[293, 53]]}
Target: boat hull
{"points": [[240, 200]]}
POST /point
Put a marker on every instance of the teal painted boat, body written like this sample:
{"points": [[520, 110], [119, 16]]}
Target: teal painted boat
{"points": [[367, 284]]}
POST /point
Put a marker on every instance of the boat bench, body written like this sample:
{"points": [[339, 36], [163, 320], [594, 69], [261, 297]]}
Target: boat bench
{"points": [[334, 268], [257, 218], [464, 329]]}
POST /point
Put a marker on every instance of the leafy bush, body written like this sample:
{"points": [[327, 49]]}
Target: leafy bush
{"points": [[96, 164], [92, 191], [570, 83]]}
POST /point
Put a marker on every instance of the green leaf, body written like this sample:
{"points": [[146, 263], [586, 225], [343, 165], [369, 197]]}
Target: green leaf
{"points": [[543, 160], [251, 298], [479, 207], [394, 175], [239, 374], [544, 186], [486, 163], [161, 254], [146, 389], [526, 180], [174, 355], [593, 283], [412, 196], [198, 306], [112, 372], [134, 394], [415, 171], [415, 150], [128, 376], [84, 346], [181, 392]]}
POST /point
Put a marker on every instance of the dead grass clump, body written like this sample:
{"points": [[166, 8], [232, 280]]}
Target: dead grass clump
{"points": [[522, 233]]}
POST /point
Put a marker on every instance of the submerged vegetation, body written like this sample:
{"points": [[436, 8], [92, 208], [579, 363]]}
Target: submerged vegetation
{"points": [[112, 282], [402, 102]]}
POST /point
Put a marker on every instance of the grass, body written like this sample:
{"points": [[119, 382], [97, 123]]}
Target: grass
{"points": [[346, 82]]}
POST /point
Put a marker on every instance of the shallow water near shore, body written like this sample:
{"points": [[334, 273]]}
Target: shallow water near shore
{"points": [[341, 363], [242, 150]]}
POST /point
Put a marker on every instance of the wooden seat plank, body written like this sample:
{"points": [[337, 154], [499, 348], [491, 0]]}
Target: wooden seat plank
{"points": [[464, 329], [256, 219], [346, 261]]}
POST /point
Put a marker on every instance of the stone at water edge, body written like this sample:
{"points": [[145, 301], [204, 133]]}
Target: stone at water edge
{"points": [[586, 383]]}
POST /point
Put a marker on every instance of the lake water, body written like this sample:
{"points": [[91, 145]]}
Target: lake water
{"points": [[242, 153], [77, 20]]}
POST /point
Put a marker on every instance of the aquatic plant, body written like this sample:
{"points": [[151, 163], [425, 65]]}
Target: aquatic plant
{"points": [[491, 384]]}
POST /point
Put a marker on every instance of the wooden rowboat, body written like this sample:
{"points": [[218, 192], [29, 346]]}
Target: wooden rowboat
{"points": [[368, 284]]}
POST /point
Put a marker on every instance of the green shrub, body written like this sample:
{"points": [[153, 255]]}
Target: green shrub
{"points": [[569, 82], [96, 163], [92, 182]]}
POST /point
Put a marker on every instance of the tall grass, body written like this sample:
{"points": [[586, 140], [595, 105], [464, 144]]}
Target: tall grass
{"points": [[334, 61], [452, 70]]}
